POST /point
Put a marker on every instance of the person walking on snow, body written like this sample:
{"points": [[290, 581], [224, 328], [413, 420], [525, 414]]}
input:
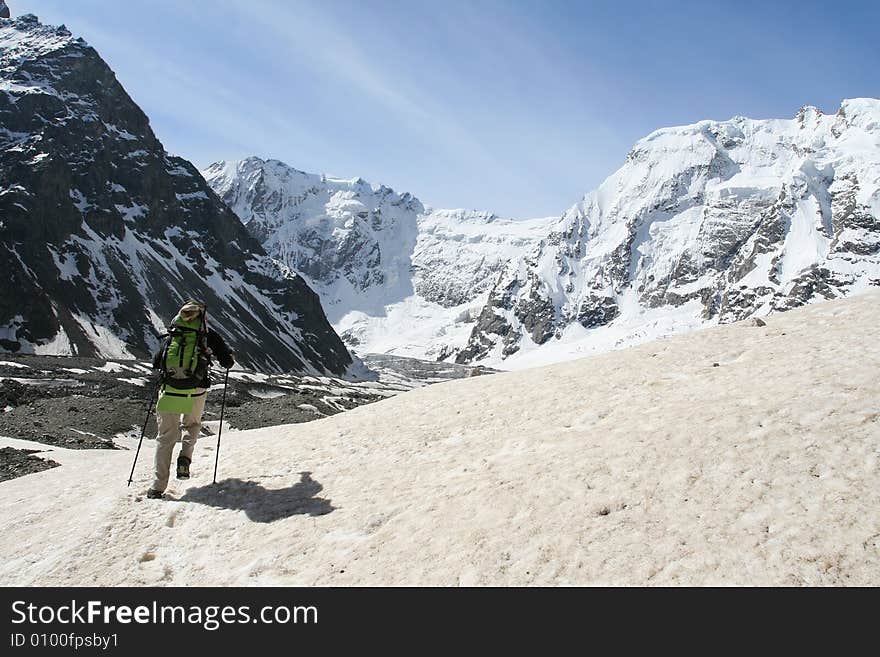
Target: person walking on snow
{"points": [[184, 361]]}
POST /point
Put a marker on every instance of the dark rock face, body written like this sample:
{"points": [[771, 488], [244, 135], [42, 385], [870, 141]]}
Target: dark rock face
{"points": [[494, 327], [856, 229], [104, 234], [597, 311]]}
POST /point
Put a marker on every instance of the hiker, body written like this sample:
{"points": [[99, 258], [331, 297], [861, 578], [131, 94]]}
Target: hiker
{"points": [[184, 361]]}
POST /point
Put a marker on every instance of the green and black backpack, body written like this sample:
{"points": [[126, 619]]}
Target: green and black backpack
{"points": [[185, 357]]}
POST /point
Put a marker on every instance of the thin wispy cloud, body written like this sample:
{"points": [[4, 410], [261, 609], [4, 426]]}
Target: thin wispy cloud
{"points": [[304, 36], [514, 107]]}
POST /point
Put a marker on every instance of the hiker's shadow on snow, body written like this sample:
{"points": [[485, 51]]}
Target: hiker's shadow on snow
{"points": [[263, 504]]}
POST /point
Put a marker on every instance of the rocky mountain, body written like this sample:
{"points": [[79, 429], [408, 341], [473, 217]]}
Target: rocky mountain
{"points": [[393, 276], [703, 224], [103, 233]]}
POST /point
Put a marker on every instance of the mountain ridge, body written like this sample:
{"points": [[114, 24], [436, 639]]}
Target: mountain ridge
{"points": [[394, 276], [105, 233], [704, 223], [730, 219]]}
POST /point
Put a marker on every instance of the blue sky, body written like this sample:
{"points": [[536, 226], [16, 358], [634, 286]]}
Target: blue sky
{"points": [[510, 106]]}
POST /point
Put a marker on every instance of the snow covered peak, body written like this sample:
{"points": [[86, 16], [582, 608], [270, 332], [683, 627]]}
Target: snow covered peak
{"points": [[704, 223], [863, 113], [25, 38], [461, 252], [350, 239], [707, 222], [252, 186], [461, 216], [271, 193]]}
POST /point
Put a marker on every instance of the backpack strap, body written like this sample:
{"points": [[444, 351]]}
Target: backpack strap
{"points": [[198, 342], [163, 358], [181, 349]]}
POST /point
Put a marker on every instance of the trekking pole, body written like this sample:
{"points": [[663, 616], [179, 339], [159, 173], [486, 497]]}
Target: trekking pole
{"points": [[144, 428], [220, 430]]}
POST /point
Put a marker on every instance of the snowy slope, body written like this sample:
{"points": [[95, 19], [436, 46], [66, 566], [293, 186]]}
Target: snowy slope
{"points": [[460, 253], [457, 258], [705, 223], [393, 276], [649, 465], [103, 234]]}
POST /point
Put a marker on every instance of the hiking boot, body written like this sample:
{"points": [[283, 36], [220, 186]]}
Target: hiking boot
{"points": [[153, 494], [183, 467]]}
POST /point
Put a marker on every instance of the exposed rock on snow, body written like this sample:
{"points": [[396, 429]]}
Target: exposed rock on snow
{"points": [[640, 466], [103, 233], [83, 403], [19, 462]]}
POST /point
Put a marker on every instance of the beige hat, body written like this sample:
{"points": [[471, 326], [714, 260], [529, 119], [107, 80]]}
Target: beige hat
{"points": [[191, 310]]}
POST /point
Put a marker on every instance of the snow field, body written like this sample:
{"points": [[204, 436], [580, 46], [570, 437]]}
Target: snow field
{"points": [[733, 455]]}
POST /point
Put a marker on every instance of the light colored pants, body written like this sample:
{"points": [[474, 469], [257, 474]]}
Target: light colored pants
{"points": [[170, 432]]}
